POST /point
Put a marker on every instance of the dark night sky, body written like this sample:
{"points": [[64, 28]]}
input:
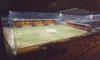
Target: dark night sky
{"points": [[52, 5]]}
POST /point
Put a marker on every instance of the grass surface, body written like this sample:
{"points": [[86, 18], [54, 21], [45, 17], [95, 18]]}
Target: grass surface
{"points": [[25, 37]]}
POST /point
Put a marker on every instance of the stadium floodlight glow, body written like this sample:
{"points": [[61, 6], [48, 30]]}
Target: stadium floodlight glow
{"points": [[91, 16], [15, 19], [10, 12], [60, 14]]}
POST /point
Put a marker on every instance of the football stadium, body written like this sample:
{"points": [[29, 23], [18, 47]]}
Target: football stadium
{"points": [[49, 29], [50, 33]]}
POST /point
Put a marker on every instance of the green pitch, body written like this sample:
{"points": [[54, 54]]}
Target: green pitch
{"points": [[25, 37]]}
